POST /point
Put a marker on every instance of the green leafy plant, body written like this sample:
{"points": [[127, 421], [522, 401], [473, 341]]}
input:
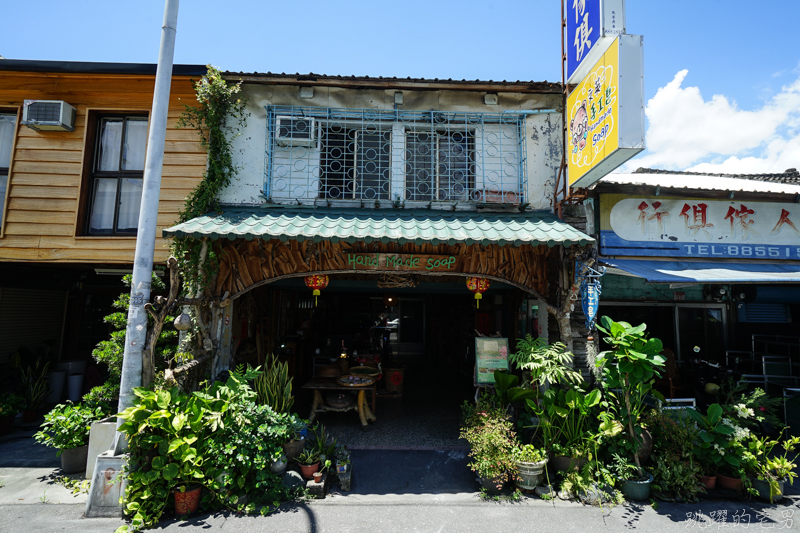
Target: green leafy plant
{"points": [[593, 482], [630, 368], [767, 465], [109, 352], [67, 426], [508, 391], [528, 453], [715, 446], [624, 470], [34, 384], [308, 457], [676, 472], [567, 416], [492, 440], [274, 386], [219, 116], [243, 451], [10, 404], [547, 363], [321, 441], [175, 440]]}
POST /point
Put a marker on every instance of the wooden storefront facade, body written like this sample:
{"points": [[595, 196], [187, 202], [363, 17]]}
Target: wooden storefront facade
{"points": [[45, 237]]}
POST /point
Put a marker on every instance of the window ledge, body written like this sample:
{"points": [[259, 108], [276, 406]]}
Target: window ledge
{"points": [[104, 237]]}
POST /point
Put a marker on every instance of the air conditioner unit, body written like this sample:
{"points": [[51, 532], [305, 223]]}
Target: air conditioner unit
{"points": [[295, 131], [48, 115]]}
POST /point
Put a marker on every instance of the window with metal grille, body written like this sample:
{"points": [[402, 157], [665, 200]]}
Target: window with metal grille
{"points": [[317, 153], [440, 165], [355, 164]]}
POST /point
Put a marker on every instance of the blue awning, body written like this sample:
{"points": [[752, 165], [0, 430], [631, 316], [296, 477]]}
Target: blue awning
{"points": [[706, 272]]}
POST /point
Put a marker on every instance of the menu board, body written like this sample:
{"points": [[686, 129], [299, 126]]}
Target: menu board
{"points": [[491, 353]]}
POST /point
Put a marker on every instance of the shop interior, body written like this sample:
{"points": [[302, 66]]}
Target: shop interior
{"points": [[426, 332]]}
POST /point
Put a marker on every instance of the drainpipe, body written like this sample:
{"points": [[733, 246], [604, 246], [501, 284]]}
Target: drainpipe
{"points": [[136, 331], [534, 111]]}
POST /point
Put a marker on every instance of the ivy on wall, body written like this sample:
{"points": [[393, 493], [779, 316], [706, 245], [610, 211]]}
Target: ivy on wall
{"points": [[219, 118]]}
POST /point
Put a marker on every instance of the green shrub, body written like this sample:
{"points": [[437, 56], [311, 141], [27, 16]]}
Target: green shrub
{"points": [[67, 426], [109, 352], [216, 437], [10, 404]]}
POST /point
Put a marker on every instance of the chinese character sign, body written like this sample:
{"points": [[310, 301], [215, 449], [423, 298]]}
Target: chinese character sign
{"points": [[591, 26], [700, 228], [583, 30]]}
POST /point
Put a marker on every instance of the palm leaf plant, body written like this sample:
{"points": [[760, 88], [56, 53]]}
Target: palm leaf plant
{"points": [[630, 369]]}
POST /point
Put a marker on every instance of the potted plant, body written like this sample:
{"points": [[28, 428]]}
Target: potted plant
{"points": [[308, 462], [567, 415], [770, 470], [629, 371], [633, 485], [676, 472], [715, 445], [10, 405], [342, 460], [296, 441], [66, 428], [548, 364], [530, 465], [492, 441], [34, 389]]}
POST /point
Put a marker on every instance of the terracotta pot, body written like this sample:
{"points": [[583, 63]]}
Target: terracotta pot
{"points": [[317, 477], [709, 482], [308, 470], [731, 483], [188, 501]]}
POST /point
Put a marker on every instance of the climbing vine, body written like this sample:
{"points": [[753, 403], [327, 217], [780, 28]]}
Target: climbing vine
{"points": [[219, 118]]}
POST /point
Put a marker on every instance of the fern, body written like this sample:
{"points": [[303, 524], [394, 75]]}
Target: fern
{"points": [[550, 363]]}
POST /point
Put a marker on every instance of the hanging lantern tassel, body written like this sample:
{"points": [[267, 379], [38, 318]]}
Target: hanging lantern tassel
{"points": [[317, 283], [478, 286]]}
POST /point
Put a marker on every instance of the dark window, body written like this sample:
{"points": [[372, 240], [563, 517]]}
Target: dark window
{"points": [[116, 175], [7, 126], [439, 166], [356, 164]]}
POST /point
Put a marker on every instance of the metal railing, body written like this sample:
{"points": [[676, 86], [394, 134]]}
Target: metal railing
{"points": [[317, 155]]}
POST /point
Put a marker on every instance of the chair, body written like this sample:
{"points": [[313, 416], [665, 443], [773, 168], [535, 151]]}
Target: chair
{"points": [[670, 381]]}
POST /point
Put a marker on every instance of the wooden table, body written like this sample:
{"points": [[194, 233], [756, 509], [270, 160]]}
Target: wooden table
{"points": [[318, 384]]}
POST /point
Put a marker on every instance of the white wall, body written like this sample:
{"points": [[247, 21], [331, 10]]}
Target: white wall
{"points": [[542, 131]]}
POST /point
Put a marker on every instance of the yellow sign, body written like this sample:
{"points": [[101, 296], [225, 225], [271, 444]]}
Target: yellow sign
{"points": [[602, 135]]}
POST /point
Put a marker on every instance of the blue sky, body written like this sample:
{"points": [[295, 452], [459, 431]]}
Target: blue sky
{"points": [[721, 78]]}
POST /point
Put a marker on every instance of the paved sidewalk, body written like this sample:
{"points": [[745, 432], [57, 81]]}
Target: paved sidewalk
{"points": [[393, 492]]}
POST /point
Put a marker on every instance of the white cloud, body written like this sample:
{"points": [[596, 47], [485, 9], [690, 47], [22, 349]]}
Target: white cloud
{"points": [[687, 132]]}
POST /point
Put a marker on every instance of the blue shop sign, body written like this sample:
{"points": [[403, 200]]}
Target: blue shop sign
{"points": [[583, 31], [590, 299]]}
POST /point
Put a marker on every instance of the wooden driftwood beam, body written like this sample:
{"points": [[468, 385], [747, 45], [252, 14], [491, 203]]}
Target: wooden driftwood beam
{"points": [[164, 305], [172, 374]]}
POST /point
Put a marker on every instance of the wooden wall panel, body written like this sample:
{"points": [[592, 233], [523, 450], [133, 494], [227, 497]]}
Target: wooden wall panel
{"points": [[46, 182]]}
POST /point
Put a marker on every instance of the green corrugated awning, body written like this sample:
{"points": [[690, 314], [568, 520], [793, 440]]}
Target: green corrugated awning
{"points": [[385, 225]]}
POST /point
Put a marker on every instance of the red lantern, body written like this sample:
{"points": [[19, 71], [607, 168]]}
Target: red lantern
{"points": [[478, 286], [317, 283]]}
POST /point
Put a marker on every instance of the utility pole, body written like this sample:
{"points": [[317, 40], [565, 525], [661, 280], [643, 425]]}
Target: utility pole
{"points": [[136, 331]]}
